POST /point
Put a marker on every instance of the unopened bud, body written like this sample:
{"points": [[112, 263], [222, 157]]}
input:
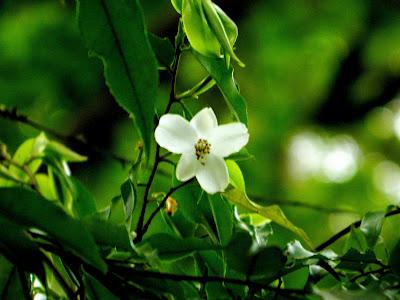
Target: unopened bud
{"points": [[171, 206]]}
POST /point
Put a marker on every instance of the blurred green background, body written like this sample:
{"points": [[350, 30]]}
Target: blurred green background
{"points": [[322, 79]]}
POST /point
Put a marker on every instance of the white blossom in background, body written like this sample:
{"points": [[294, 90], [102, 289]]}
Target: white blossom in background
{"points": [[203, 145]]}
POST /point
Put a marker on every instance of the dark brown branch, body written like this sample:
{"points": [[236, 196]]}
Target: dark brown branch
{"points": [[172, 99], [346, 230], [206, 279], [162, 204], [379, 271], [70, 140]]}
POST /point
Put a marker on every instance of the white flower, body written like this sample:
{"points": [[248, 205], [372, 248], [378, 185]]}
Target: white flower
{"points": [[203, 145]]}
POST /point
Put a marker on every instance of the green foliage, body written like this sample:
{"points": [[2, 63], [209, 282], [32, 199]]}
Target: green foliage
{"points": [[223, 76], [29, 209], [157, 238], [115, 31], [273, 212], [163, 50], [11, 286]]}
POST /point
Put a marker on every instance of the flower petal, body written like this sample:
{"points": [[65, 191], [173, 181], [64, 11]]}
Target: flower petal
{"points": [[229, 138], [187, 166], [204, 121], [213, 175], [175, 134]]}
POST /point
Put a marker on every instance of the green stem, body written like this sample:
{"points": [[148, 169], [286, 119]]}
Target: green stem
{"points": [[201, 87]]}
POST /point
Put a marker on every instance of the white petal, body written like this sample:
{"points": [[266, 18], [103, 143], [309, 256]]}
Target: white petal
{"points": [[213, 175], [229, 138], [187, 166], [204, 121], [175, 134]]}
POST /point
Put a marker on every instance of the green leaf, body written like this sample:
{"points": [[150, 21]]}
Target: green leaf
{"points": [[273, 212], [46, 186], [223, 218], [394, 260], [266, 263], [107, 233], [28, 154], [371, 226], [64, 152], [128, 193], [254, 262], [177, 4], [356, 240], [224, 29], [223, 76], [355, 260], [95, 290], [296, 250], [116, 211], [197, 29], [215, 267], [6, 177], [235, 175], [338, 293], [30, 209], [84, 203], [169, 247], [16, 245], [243, 154], [238, 253], [115, 32], [10, 283], [163, 50]]}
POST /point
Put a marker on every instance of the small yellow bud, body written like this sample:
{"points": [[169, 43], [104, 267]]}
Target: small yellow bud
{"points": [[171, 206]]}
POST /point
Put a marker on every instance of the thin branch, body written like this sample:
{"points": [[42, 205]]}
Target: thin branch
{"points": [[380, 271], [172, 99], [71, 140], [168, 161], [207, 279], [346, 230], [294, 203], [162, 204]]}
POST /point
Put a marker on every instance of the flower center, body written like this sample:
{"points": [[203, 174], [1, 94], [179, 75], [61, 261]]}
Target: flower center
{"points": [[202, 148]]}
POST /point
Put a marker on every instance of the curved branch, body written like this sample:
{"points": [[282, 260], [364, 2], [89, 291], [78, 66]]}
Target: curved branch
{"points": [[162, 204], [206, 279], [346, 230], [71, 140]]}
